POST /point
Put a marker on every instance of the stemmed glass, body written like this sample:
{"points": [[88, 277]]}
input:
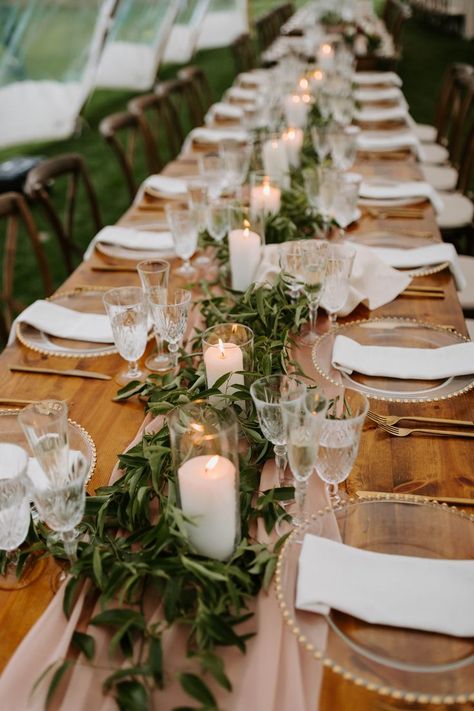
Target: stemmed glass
{"points": [[236, 160], [343, 145], [218, 220], [269, 394], [291, 267], [321, 145], [127, 310], [336, 284], [14, 507], [314, 261], [184, 226], [155, 273], [197, 201], [170, 310], [345, 200], [212, 170], [58, 482], [303, 421], [340, 438]]}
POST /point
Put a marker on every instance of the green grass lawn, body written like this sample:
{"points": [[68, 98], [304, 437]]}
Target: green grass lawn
{"points": [[425, 57]]}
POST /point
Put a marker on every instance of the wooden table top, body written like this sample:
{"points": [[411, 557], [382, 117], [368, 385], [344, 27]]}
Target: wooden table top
{"points": [[418, 465]]}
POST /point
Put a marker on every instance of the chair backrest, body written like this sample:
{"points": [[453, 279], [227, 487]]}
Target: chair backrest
{"points": [[463, 117], [466, 168], [198, 92], [450, 99], [243, 53], [14, 213], [38, 186], [122, 132]]}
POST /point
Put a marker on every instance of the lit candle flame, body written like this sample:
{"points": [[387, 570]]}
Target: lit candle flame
{"points": [[197, 427], [318, 75], [306, 98], [326, 49], [221, 348], [246, 228], [291, 134], [295, 98], [303, 83], [212, 463]]}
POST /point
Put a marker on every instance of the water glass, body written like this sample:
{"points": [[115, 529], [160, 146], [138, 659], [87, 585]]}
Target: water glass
{"points": [[218, 219], [337, 282], [170, 310], [213, 171], [340, 438], [268, 395], [346, 197], [184, 226], [314, 261], [291, 258], [127, 310], [152, 273]]}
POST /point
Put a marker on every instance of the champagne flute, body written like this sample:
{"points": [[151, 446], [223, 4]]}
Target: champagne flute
{"points": [[314, 261], [336, 284], [291, 257], [197, 201], [183, 224], [155, 272], [14, 508], [127, 310], [321, 144], [170, 311], [340, 438]]}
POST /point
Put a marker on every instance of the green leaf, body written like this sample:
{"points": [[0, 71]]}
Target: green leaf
{"points": [[155, 660], [84, 643], [203, 571], [215, 666], [132, 696], [195, 687], [57, 676]]}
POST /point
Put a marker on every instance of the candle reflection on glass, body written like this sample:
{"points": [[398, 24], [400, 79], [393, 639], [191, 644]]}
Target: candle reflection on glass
{"points": [[265, 198]]}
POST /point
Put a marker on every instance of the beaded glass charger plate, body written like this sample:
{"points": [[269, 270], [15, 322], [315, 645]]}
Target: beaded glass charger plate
{"points": [[116, 252], [84, 300], [79, 439], [407, 664], [397, 332]]}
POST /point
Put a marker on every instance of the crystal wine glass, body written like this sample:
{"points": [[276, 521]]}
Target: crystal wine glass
{"points": [[236, 160], [336, 284], [58, 480], [291, 267], [343, 144], [155, 272], [321, 145], [170, 311], [212, 170], [314, 260], [218, 219], [197, 201], [340, 437], [183, 224], [127, 310], [14, 507], [346, 197], [269, 394], [303, 421]]}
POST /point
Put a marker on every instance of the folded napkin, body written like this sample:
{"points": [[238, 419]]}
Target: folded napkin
{"points": [[389, 141], [224, 110], [403, 363], [386, 589], [166, 187], [390, 94], [214, 135], [395, 190], [424, 256], [239, 94], [368, 78], [390, 113], [131, 239], [64, 323], [258, 77], [372, 281]]}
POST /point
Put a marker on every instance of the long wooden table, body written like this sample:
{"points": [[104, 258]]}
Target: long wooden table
{"points": [[433, 466]]}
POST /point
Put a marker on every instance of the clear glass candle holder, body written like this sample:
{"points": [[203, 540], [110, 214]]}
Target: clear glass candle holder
{"points": [[227, 349], [265, 195], [204, 446]]}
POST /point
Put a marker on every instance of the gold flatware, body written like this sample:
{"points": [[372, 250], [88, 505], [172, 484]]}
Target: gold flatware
{"points": [[422, 294], [112, 268], [381, 213], [16, 401], [393, 419], [54, 371], [418, 497], [420, 287], [405, 432]]}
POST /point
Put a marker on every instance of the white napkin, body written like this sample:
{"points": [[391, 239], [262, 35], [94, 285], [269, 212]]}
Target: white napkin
{"points": [[372, 281], [131, 239], [221, 108], [421, 256], [390, 94], [392, 191], [64, 323], [389, 141], [165, 186], [240, 94], [389, 113], [368, 78], [386, 589], [257, 77], [214, 135], [403, 363]]}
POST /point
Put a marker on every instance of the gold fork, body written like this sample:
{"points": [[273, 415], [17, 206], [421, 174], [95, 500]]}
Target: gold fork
{"points": [[405, 431], [393, 419]]}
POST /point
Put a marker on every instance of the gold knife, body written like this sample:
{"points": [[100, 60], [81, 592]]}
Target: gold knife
{"points": [[54, 371], [418, 497], [113, 268]]}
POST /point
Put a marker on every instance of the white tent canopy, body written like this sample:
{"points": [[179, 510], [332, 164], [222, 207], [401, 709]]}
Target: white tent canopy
{"points": [[47, 70], [224, 22], [184, 36], [136, 43]]}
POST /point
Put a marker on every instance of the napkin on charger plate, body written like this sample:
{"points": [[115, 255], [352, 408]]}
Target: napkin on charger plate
{"points": [[223, 110], [166, 187], [403, 363], [372, 281], [131, 239], [59, 321], [395, 190], [424, 256], [369, 78], [368, 95], [391, 113], [237, 93], [214, 136], [386, 589], [254, 78], [384, 142]]}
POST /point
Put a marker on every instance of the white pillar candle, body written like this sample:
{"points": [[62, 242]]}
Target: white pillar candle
{"points": [[296, 110], [207, 490], [265, 198], [244, 254], [223, 358], [293, 140], [275, 161], [326, 56]]}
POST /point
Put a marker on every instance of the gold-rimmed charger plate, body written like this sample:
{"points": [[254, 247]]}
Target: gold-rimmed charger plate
{"points": [[79, 438], [85, 300], [398, 332], [409, 665]]}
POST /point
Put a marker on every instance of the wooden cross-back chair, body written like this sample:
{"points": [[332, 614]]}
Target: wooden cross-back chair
{"points": [[446, 95], [461, 116], [243, 52], [267, 29], [39, 186], [14, 213], [197, 91], [122, 132]]}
